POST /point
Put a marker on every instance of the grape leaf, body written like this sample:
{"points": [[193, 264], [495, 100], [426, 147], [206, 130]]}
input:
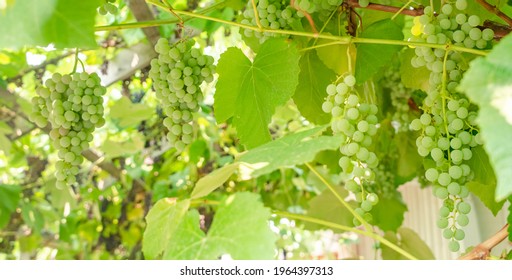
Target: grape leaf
{"points": [[408, 240], [283, 152], [388, 214], [327, 207], [163, 221], [250, 92], [483, 184], [127, 113], [240, 228], [335, 57], [65, 23], [9, 198], [488, 83], [412, 77], [372, 57], [212, 181], [114, 149], [310, 93], [408, 159]]}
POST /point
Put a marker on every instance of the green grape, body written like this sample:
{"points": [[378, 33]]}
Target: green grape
{"points": [[444, 211], [447, 233], [364, 3], [462, 220], [453, 246], [464, 207], [432, 174], [442, 223], [453, 188]]}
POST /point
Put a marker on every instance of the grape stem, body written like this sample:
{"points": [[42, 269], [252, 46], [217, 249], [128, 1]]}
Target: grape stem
{"points": [[385, 8], [483, 250], [366, 225], [496, 11], [341, 39], [256, 15], [372, 235]]}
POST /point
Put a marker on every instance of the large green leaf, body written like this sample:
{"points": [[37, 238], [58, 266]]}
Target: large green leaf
{"points": [[163, 221], [335, 57], [310, 93], [269, 157], [240, 228], [65, 23], [509, 219], [250, 91], [327, 207], [408, 240], [372, 57], [9, 198], [212, 181], [483, 184], [127, 113], [488, 83], [290, 150]]}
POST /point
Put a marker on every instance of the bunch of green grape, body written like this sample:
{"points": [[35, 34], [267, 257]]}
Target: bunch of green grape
{"points": [[107, 7], [272, 14], [177, 73], [324, 8], [73, 106], [448, 131], [399, 95], [356, 122]]}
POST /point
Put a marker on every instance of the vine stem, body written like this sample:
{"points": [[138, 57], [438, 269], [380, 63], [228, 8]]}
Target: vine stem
{"points": [[341, 39], [256, 15], [372, 235], [367, 226], [76, 61], [385, 8], [495, 10], [483, 250]]}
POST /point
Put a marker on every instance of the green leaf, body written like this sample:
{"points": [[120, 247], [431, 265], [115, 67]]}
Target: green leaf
{"points": [[115, 149], [65, 23], [212, 181], [310, 93], [388, 214], [236, 4], [335, 57], [9, 198], [408, 161], [412, 77], [488, 83], [163, 221], [240, 228], [483, 184], [128, 113], [250, 92], [5, 128], [327, 207], [283, 152], [408, 240], [372, 57], [32, 217], [5, 144]]}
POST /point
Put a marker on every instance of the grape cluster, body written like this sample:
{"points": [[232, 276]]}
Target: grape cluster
{"points": [[356, 122], [273, 14], [107, 7], [447, 126], [73, 106], [400, 96], [177, 74], [324, 8]]}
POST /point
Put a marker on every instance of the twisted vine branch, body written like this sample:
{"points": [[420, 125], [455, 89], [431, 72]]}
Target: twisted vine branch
{"points": [[483, 250]]}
